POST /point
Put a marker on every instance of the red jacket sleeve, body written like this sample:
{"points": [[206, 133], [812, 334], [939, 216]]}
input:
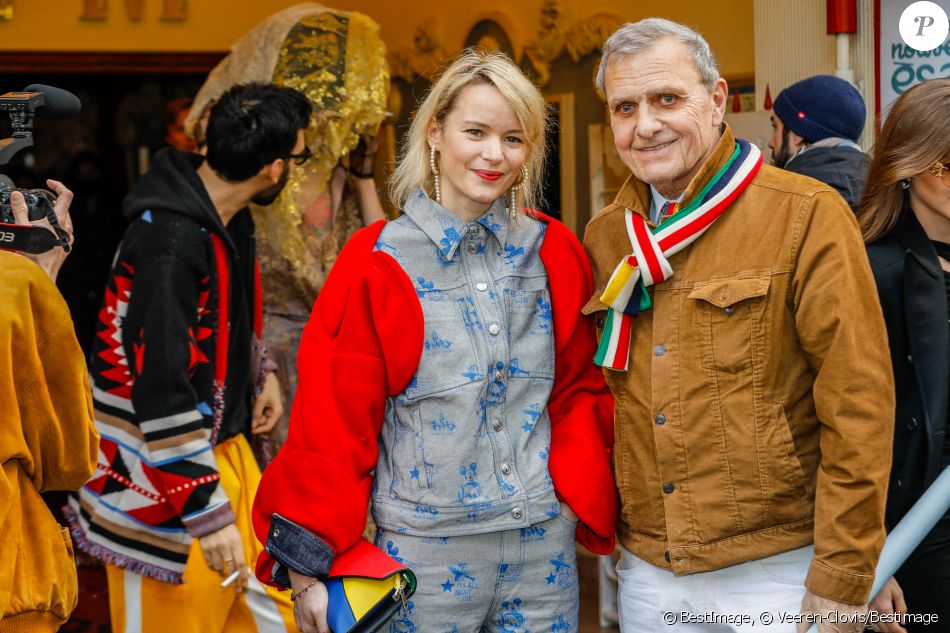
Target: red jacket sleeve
{"points": [[362, 344], [581, 407]]}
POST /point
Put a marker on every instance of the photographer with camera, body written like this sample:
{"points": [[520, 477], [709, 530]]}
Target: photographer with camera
{"points": [[47, 437], [52, 260]]}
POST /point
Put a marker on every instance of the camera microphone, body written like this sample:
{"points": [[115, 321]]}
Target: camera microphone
{"points": [[59, 103]]}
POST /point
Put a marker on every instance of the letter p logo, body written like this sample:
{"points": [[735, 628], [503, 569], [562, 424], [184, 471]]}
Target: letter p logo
{"points": [[924, 26], [925, 21]]}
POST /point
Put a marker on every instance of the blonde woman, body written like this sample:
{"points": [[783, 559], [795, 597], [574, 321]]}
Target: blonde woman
{"points": [[446, 374]]}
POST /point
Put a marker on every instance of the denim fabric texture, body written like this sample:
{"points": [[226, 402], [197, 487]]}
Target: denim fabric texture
{"points": [[515, 581], [464, 447], [296, 548]]}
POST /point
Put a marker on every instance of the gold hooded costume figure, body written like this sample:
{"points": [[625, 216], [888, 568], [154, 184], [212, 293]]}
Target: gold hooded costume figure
{"points": [[338, 60]]}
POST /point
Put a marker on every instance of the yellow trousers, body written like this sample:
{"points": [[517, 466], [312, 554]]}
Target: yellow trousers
{"points": [[142, 605]]}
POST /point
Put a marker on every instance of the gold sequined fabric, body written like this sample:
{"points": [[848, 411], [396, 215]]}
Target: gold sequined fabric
{"points": [[338, 60]]}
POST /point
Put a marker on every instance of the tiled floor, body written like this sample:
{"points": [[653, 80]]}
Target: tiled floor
{"points": [[92, 613]]}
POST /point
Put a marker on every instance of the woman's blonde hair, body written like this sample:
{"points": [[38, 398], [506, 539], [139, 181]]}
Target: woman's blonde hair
{"points": [[915, 136], [474, 67]]}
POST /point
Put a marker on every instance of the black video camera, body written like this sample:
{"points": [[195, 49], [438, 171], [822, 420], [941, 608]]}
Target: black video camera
{"points": [[22, 107]]}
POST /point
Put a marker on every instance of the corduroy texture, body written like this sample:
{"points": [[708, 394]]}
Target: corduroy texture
{"points": [[821, 106], [758, 416]]}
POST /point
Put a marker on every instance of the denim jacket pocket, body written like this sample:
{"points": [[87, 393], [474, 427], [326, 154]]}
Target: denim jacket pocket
{"points": [[730, 313], [449, 354], [527, 303]]}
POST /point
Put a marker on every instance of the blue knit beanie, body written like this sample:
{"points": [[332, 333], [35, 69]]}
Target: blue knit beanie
{"points": [[821, 106]]}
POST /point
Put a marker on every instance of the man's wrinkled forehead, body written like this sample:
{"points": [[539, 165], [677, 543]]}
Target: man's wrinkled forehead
{"points": [[648, 74]]}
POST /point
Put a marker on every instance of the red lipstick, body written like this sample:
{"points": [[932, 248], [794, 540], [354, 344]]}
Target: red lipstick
{"points": [[487, 174]]}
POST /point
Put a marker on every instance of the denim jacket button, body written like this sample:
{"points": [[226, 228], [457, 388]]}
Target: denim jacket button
{"points": [[494, 329], [481, 286], [505, 469], [497, 425], [516, 513]]}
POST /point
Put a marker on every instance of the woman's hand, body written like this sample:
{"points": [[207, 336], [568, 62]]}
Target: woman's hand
{"points": [[310, 605]]}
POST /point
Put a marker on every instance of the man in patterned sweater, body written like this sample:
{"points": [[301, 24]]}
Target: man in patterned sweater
{"points": [[180, 380]]}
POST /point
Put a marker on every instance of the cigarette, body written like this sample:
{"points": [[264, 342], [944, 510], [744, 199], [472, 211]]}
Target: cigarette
{"points": [[230, 579]]}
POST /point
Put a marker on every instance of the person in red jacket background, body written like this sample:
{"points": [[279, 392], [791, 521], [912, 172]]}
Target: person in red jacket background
{"points": [[446, 374]]}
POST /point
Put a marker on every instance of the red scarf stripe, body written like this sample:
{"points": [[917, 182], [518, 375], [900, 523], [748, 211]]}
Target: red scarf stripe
{"points": [[619, 361], [699, 224], [221, 342], [652, 261]]}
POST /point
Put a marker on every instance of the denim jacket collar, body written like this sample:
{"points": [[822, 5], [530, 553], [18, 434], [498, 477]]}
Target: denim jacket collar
{"points": [[446, 229]]}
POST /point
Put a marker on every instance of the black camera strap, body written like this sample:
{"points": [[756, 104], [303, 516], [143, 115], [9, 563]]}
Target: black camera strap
{"points": [[31, 239]]}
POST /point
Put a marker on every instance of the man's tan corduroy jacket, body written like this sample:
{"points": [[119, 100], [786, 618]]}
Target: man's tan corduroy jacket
{"points": [[757, 413]]}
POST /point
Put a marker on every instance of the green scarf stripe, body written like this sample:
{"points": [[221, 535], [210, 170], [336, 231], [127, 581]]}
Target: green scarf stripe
{"points": [[698, 198], [645, 302], [604, 338]]}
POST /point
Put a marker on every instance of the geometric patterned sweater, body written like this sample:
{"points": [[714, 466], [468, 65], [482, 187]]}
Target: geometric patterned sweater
{"points": [[174, 364]]}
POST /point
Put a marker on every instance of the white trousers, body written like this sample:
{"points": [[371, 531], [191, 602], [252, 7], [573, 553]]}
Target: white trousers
{"points": [[758, 595]]}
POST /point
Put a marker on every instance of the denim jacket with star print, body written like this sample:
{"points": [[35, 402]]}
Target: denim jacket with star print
{"points": [[464, 447]]}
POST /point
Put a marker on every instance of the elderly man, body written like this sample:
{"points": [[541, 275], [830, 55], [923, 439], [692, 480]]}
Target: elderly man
{"points": [[742, 339]]}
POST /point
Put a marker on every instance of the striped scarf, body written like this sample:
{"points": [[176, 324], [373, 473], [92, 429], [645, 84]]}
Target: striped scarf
{"points": [[626, 293]]}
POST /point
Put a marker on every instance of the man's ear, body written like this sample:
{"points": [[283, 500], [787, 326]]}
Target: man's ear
{"points": [[720, 94], [795, 142], [273, 170]]}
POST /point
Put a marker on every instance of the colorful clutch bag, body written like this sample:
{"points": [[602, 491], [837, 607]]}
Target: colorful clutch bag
{"points": [[366, 588]]}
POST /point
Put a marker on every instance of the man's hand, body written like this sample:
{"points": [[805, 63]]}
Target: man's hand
{"points": [[310, 609], [850, 613], [890, 599], [224, 552], [50, 261], [267, 406]]}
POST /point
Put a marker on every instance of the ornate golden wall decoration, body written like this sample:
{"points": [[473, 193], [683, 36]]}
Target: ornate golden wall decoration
{"points": [[6, 10], [424, 58], [560, 32]]}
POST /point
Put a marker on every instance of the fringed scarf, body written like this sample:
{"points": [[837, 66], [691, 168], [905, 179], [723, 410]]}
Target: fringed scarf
{"points": [[626, 293]]}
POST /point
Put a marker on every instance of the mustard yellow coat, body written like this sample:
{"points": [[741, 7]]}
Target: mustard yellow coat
{"points": [[47, 442]]}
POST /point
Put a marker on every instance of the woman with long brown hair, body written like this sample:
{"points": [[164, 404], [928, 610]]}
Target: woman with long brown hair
{"points": [[905, 218]]}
